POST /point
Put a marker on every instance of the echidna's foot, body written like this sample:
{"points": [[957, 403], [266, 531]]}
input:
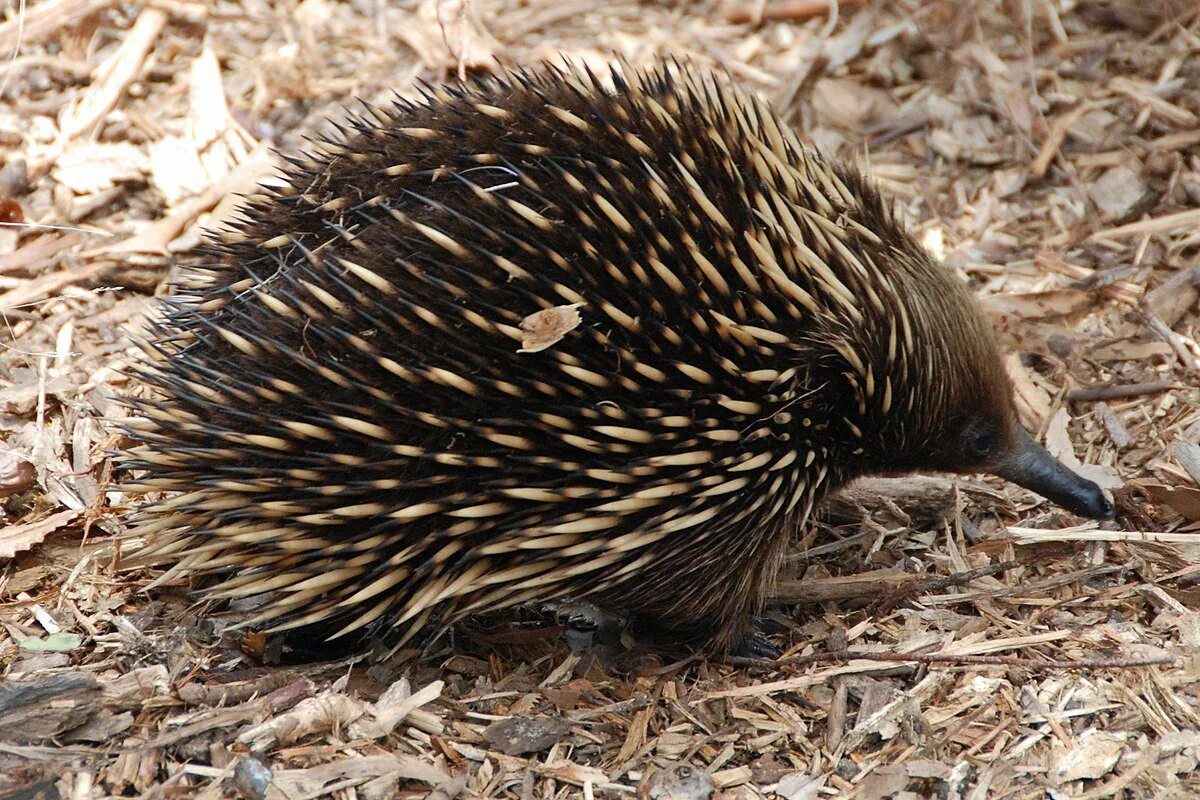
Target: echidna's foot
{"points": [[579, 614], [588, 625], [755, 644]]}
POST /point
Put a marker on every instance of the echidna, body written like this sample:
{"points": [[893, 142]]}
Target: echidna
{"points": [[346, 420]]}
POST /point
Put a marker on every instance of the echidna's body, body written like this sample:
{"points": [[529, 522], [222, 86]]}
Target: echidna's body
{"points": [[352, 429]]}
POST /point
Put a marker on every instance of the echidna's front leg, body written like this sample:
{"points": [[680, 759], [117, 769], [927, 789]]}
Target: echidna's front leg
{"points": [[720, 609]]}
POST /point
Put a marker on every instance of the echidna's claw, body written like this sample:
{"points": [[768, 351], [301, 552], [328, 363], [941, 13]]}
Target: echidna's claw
{"points": [[757, 645]]}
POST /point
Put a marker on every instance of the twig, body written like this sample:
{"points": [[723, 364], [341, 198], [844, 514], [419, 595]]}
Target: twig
{"points": [[970, 719], [750, 662], [47, 284], [46, 18], [847, 587], [77, 69], [1174, 340], [621, 707], [1090, 393], [1169, 223], [739, 13], [999, 661], [39, 251], [114, 76], [890, 600], [1058, 132], [1084, 534]]}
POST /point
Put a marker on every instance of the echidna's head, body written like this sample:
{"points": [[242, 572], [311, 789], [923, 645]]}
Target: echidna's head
{"points": [[934, 394]]}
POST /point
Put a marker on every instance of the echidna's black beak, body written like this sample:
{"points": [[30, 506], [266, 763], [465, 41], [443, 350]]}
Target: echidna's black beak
{"points": [[1032, 467]]}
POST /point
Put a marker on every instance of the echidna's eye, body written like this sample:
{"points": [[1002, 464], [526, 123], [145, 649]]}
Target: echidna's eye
{"points": [[980, 444]]}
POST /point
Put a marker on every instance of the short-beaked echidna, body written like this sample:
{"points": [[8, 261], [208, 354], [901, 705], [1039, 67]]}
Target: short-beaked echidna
{"points": [[346, 419]]}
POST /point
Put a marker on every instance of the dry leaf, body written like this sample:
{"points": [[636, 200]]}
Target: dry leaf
{"points": [[1188, 455], [678, 782], [1040, 338], [219, 140], [1118, 192], [1058, 443], [799, 786], [211, 145], [1102, 475], [314, 715], [156, 237], [392, 707], [1130, 351], [518, 736], [887, 781], [1032, 401], [454, 28], [1175, 296], [571, 772], [61, 642], [1058, 439], [849, 104], [19, 537], [1039, 305], [1094, 757], [90, 167], [16, 474], [547, 327], [175, 169], [1183, 499]]}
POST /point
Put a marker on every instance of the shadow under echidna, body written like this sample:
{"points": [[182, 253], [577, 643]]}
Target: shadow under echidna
{"points": [[346, 422]]}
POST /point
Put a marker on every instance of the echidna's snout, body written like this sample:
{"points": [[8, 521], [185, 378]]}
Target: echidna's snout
{"points": [[1029, 465]]}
